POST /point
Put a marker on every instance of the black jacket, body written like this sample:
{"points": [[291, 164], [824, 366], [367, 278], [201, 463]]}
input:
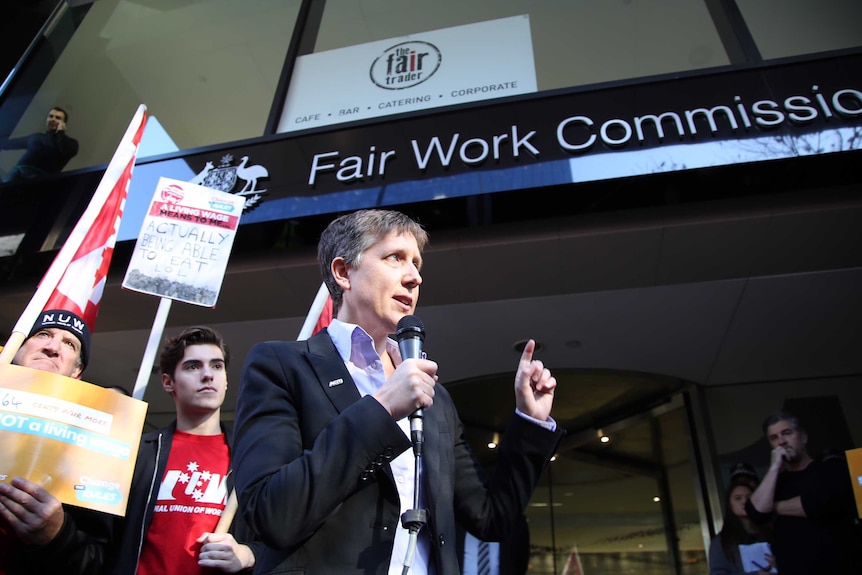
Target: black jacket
{"points": [[46, 152], [80, 548], [312, 465]]}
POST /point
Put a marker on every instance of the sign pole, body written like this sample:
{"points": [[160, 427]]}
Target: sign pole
{"points": [[152, 348]]}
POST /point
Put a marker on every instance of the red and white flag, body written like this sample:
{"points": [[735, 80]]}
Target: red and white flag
{"points": [[325, 316], [76, 278], [319, 316], [573, 564]]}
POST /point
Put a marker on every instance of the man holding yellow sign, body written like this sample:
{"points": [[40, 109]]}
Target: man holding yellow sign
{"points": [[36, 530]]}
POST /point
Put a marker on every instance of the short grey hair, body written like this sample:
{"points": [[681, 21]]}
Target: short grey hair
{"points": [[348, 237], [774, 418]]}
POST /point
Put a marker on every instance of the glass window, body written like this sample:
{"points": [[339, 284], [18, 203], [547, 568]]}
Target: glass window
{"points": [[620, 495], [831, 410], [783, 28], [475, 56], [575, 42], [207, 70], [608, 507]]}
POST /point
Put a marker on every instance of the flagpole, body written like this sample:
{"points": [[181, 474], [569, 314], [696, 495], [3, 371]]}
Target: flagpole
{"points": [[152, 347], [13, 344], [125, 153], [314, 312], [227, 513]]}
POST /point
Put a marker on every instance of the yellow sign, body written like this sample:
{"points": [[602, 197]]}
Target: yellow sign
{"points": [[76, 439], [854, 461]]}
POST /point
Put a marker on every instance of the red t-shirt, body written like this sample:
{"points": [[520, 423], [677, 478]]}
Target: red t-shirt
{"points": [[190, 501]]}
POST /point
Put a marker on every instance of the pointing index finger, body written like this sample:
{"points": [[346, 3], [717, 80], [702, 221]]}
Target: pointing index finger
{"points": [[529, 347]]}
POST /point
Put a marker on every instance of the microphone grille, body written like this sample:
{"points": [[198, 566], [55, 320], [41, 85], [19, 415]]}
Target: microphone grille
{"points": [[408, 324]]}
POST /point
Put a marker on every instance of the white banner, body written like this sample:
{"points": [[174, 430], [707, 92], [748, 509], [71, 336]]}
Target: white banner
{"points": [[455, 65], [185, 242]]}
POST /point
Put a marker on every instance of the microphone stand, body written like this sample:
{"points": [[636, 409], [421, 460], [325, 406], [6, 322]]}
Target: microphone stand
{"points": [[414, 519], [410, 334]]}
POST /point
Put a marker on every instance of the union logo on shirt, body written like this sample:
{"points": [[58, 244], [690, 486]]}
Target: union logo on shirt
{"points": [[193, 486]]}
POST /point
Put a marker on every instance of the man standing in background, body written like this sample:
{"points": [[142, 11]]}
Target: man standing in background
{"points": [[46, 153], [812, 504]]}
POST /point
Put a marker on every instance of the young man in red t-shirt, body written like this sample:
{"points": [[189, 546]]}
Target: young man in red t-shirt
{"points": [[180, 485]]}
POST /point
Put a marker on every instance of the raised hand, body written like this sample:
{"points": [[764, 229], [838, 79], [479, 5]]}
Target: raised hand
{"points": [[534, 385]]}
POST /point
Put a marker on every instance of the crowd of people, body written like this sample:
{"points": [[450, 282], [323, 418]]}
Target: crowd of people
{"points": [[330, 474], [166, 528], [320, 457]]}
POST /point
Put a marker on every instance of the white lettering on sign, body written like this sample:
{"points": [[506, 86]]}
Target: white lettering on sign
{"points": [[579, 134]]}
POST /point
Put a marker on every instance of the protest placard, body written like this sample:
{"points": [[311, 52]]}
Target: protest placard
{"points": [[185, 242], [76, 439]]}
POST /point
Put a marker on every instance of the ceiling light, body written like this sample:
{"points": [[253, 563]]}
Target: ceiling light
{"points": [[495, 441], [519, 346], [602, 437], [656, 499]]}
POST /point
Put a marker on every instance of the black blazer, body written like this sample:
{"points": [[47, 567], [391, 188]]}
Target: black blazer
{"points": [[313, 481]]}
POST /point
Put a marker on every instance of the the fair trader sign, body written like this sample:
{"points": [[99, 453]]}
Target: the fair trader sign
{"points": [[185, 241]]}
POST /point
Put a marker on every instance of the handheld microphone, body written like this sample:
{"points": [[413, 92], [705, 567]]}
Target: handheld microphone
{"points": [[410, 334]]}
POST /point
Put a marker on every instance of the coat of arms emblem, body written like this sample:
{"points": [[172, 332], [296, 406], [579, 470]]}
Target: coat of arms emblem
{"points": [[225, 176]]}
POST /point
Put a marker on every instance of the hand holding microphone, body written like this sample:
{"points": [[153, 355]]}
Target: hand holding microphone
{"points": [[411, 386]]}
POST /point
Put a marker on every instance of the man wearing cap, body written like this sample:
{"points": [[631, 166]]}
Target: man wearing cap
{"points": [[59, 342], [37, 533]]}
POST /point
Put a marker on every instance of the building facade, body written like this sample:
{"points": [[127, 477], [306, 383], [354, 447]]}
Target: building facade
{"points": [[664, 195]]}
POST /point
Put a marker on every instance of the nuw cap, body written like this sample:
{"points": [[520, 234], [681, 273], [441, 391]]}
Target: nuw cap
{"points": [[71, 322]]}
